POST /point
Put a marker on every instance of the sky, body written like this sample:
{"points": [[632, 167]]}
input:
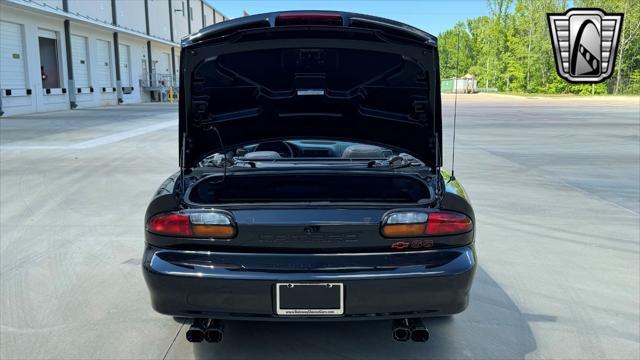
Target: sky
{"points": [[432, 16]]}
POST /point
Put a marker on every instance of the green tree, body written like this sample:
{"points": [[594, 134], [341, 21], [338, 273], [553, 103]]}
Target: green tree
{"points": [[511, 49], [627, 59], [481, 39], [455, 48]]}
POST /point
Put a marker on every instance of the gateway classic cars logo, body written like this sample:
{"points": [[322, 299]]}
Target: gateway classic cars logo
{"points": [[585, 43]]}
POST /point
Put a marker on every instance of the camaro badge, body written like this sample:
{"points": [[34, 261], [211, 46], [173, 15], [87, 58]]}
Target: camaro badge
{"points": [[585, 43]]}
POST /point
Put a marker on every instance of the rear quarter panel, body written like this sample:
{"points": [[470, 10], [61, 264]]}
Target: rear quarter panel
{"points": [[455, 198]]}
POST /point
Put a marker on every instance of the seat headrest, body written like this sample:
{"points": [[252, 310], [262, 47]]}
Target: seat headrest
{"points": [[364, 152], [262, 155]]}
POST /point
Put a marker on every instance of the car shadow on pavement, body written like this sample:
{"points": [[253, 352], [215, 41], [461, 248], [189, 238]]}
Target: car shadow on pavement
{"points": [[492, 327]]}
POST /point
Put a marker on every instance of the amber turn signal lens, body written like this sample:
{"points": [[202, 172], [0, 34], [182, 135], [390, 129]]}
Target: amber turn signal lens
{"points": [[214, 231], [403, 230]]}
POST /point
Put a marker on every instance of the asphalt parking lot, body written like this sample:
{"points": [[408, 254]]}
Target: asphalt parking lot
{"points": [[555, 183]]}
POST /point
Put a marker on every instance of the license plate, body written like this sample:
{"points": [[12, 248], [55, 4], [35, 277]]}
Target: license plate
{"points": [[299, 299]]}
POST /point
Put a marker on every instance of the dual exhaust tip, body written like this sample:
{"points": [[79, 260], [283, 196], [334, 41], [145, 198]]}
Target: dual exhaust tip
{"points": [[212, 330], [409, 329], [205, 329]]}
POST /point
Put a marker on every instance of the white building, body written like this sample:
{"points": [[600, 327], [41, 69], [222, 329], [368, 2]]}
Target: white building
{"points": [[62, 54]]}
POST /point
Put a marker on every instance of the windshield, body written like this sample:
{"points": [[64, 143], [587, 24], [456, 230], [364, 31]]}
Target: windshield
{"points": [[309, 151], [313, 149]]}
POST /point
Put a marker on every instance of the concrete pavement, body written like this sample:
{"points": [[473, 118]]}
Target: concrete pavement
{"points": [[555, 184]]}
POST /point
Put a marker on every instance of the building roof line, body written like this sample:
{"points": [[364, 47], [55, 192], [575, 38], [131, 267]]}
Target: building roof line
{"points": [[49, 10], [206, 3]]}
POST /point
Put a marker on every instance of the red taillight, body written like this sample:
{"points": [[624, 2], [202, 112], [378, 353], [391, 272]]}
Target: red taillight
{"points": [[170, 224], [308, 19], [403, 224], [447, 223], [196, 224]]}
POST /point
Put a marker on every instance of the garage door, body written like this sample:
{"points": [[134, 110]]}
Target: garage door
{"points": [[125, 67], [103, 63], [80, 61], [164, 64], [12, 75]]}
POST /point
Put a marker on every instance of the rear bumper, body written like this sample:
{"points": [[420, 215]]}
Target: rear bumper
{"points": [[242, 286]]}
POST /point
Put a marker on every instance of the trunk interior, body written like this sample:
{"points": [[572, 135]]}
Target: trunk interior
{"points": [[310, 187]]}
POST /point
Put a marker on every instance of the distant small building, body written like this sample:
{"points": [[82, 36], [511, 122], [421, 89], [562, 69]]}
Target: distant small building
{"points": [[464, 85]]}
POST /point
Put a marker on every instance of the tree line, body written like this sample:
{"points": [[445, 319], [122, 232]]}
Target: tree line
{"points": [[511, 50]]}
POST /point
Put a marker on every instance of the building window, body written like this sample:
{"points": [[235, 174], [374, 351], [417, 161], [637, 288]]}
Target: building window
{"points": [[49, 62], [190, 13], [183, 14]]}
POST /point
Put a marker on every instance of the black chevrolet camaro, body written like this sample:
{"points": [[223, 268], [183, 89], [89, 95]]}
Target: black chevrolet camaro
{"points": [[310, 184]]}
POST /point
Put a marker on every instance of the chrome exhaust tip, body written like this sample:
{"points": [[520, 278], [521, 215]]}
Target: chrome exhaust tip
{"points": [[214, 331], [195, 334], [400, 330], [419, 332]]}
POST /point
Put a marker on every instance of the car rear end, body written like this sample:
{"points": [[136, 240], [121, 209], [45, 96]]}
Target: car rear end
{"points": [[315, 239], [240, 260]]}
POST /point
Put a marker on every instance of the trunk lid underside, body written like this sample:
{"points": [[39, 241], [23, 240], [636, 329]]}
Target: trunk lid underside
{"points": [[322, 82]]}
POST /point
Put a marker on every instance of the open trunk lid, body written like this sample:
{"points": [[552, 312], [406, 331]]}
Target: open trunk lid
{"points": [[319, 75]]}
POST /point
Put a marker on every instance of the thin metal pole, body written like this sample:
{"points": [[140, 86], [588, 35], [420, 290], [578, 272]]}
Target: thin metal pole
{"points": [[455, 111]]}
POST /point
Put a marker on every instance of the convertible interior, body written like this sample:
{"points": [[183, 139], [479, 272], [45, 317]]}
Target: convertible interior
{"points": [[317, 185], [312, 149]]}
